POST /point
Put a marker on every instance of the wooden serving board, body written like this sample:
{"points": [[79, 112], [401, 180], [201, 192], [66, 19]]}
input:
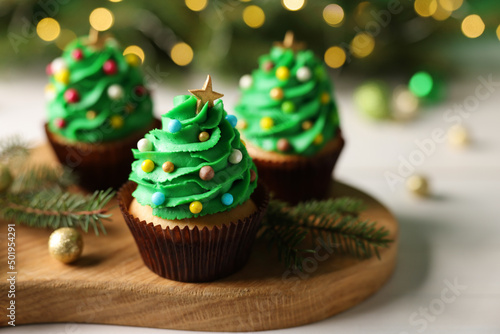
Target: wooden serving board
{"points": [[109, 284]]}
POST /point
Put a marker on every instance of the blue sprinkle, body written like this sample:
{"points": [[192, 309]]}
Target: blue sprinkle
{"points": [[174, 126], [227, 199], [158, 198], [232, 120]]}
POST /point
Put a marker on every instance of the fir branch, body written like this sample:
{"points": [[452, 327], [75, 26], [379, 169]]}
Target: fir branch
{"points": [[333, 224], [35, 178], [55, 208], [12, 148]]}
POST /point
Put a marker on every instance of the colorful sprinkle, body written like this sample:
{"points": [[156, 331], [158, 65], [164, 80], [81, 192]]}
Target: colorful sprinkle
{"points": [[115, 92], [71, 95], [110, 67], [116, 121], [60, 123], [58, 65], [266, 123], [253, 175], [283, 145], [276, 93], [318, 140], [243, 142], [233, 120], [77, 54], [129, 108], [195, 207], [267, 65], [62, 76], [241, 125], [148, 166], [227, 199], [288, 107], [282, 73], [246, 81], [144, 145], [158, 198], [203, 136], [304, 74], [306, 125], [168, 167], [91, 114], [207, 173], [325, 98], [174, 126], [235, 157], [48, 69], [133, 60], [140, 91], [50, 92]]}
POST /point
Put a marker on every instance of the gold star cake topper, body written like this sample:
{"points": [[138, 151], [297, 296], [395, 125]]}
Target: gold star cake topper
{"points": [[290, 43], [205, 95]]}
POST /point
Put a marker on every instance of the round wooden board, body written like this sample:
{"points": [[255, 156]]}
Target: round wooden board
{"points": [[110, 284]]}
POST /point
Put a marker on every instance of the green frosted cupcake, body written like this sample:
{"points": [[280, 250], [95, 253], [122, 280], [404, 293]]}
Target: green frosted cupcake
{"points": [[289, 118], [193, 204], [98, 107]]}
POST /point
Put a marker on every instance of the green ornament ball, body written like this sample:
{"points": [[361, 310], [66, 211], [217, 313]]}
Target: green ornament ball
{"points": [[5, 178], [426, 86], [288, 107], [373, 99]]}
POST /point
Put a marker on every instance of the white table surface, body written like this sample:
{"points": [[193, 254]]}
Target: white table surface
{"points": [[452, 236]]}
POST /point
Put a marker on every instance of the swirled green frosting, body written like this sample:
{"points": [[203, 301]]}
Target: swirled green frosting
{"points": [[111, 103], [188, 154], [304, 117]]}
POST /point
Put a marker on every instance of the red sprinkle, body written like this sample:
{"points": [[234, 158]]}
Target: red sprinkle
{"points": [[110, 67], [71, 95], [60, 122], [77, 54], [140, 91], [268, 65], [253, 175], [48, 69]]}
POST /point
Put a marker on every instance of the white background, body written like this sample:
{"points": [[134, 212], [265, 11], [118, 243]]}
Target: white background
{"points": [[454, 235]]}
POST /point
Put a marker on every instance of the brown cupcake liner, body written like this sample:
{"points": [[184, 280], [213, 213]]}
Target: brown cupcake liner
{"points": [[98, 166], [194, 255], [295, 181]]}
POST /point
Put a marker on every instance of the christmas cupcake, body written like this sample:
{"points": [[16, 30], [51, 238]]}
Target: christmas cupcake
{"points": [[192, 203], [98, 108], [289, 118]]}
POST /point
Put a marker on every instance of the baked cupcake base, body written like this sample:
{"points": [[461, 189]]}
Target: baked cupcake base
{"points": [[98, 166], [294, 178], [190, 251]]}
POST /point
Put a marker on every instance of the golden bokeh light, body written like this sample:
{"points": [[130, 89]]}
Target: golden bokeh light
{"points": [[441, 14], [293, 5], [333, 14], [335, 57], [182, 54], [498, 32], [362, 45], [254, 16], [451, 5], [135, 50], [115, 0], [48, 29], [66, 37], [425, 8], [473, 26], [196, 5], [101, 19]]}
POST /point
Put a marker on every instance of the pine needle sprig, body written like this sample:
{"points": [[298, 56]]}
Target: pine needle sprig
{"points": [[331, 224], [37, 177], [12, 148], [54, 208]]}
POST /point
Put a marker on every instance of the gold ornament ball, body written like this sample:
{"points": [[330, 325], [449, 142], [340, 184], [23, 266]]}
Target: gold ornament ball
{"points": [[5, 178], [458, 136], [418, 185], [404, 104], [65, 244]]}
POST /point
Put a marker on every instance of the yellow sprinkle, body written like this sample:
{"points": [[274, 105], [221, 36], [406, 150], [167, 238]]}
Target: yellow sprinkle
{"points": [[195, 207], [306, 125], [91, 114], [276, 93], [148, 166], [241, 125], [62, 76], [325, 98], [283, 73], [243, 142], [266, 123], [319, 139], [116, 122], [132, 59]]}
